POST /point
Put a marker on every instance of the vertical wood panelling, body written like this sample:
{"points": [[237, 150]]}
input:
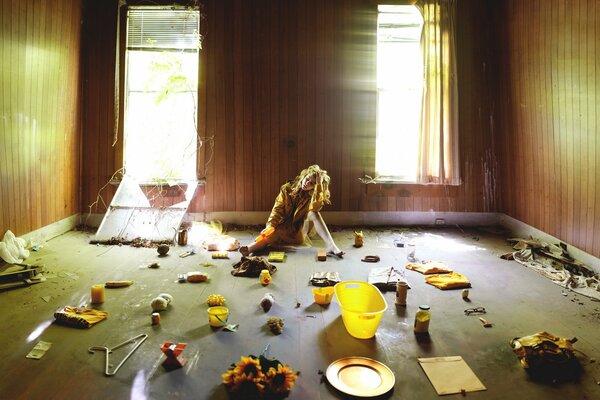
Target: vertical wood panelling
{"points": [[548, 118], [39, 112], [288, 83]]}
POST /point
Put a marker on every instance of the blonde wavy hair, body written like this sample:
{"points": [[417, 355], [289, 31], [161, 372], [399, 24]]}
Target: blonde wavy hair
{"points": [[311, 171]]}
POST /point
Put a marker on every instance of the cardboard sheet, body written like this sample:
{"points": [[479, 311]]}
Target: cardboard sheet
{"points": [[450, 375]]}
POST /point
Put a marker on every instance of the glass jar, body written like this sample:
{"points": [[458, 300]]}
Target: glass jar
{"points": [[422, 318]]}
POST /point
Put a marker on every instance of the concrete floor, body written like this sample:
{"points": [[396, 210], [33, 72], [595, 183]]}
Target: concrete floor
{"points": [[518, 300]]}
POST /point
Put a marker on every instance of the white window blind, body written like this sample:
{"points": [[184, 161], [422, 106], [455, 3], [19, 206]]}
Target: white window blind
{"points": [[163, 28]]}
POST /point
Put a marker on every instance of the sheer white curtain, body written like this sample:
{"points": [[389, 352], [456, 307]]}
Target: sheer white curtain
{"points": [[438, 131]]}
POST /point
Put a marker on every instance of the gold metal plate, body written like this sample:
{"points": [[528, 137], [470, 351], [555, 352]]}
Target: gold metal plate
{"points": [[360, 376]]}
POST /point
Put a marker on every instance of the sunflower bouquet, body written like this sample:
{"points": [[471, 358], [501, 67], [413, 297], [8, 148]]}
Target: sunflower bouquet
{"points": [[259, 378]]}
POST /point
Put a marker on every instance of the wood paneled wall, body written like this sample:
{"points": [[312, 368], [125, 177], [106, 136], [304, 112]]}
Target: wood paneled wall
{"points": [[39, 113], [289, 83], [549, 93]]}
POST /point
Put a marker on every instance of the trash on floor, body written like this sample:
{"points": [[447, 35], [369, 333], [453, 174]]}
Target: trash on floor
{"points": [[79, 317], [163, 249], [370, 259], [429, 267], [251, 266], [453, 280], [386, 278], [196, 277], [161, 302], [117, 284], [275, 324], [187, 253], [450, 375], [174, 359], [358, 239], [547, 357], [138, 340], [39, 350], [555, 263], [215, 300], [321, 255], [485, 322], [12, 248], [325, 278], [267, 302], [276, 256], [220, 255], [17, 275]]}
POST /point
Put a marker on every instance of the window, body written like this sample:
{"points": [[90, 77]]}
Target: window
{"points": [[399, 91], [161, 84]]}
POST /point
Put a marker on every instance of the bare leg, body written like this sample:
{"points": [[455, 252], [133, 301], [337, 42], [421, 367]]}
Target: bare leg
{"points": [[323, 232]]}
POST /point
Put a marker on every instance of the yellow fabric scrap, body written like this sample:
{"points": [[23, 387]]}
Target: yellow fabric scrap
{"points": [[429, 267], [79, 317], [452, 280]]}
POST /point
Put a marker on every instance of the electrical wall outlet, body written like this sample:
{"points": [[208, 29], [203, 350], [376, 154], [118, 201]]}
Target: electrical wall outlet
{"points": [[440, 221]]}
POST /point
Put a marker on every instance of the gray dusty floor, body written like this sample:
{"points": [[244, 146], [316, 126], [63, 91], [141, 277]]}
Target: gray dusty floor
{"points": [[518, 300]]}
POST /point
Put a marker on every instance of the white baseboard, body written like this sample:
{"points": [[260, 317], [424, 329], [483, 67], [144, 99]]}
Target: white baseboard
{"points": [[51, 231], [368, 218], [522, 230]]}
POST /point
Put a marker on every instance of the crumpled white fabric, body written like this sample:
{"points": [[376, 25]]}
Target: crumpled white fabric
{"points": [[12, 248]]}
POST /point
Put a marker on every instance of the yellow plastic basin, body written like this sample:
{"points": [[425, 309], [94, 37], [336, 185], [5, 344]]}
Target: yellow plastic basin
{"points": [[362, 306]]}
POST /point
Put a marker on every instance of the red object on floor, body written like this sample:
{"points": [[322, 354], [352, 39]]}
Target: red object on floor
{"points": [[173, 352]]}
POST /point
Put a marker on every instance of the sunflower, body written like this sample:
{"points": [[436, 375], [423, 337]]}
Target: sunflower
{"points": [[247, 385], [281, 380], [249, 366]]}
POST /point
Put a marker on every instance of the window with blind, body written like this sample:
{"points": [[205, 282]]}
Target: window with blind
{"points": [[161, 86], [399, 91]]}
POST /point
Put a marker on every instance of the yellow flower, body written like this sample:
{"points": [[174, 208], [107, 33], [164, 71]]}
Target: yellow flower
{"points": [[228, 377], [246, 384], [248, 366], [282, 379]]}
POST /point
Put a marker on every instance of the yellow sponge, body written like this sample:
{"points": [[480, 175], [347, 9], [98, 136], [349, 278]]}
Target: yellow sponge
{"points": [[276, 256]]}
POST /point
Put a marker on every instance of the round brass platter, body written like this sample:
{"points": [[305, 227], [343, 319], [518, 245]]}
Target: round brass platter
{"points": [[360, 376]]}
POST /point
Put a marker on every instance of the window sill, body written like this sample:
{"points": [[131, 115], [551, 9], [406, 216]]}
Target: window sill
{"points": [[410, 189]]}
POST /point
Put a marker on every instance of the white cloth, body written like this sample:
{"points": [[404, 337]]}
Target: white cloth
{"points": [[12, 248]]}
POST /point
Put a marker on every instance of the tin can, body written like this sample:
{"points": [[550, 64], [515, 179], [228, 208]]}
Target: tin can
{"points": [[265, 277], [401, 290], [155, 318], [465, 294], [182, 237]]}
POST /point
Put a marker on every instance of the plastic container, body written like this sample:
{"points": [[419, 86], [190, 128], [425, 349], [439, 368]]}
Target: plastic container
{"points": [[422, 318], [323, 295], [362, 306], [218, 316]]}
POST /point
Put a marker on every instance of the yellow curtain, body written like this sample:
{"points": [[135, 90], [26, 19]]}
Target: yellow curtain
{"points": [[438, 136]]}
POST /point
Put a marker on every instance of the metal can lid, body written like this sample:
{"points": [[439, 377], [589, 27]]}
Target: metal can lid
{"points": [[424, 307]]}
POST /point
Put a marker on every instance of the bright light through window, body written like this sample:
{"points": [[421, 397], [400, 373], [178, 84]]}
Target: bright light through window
{"points": [[399, 86], [161, 94]]}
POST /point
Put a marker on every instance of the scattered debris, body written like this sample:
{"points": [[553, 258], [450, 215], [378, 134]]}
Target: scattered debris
{"points": [[161, 302], [275, 324], [163, 249], [485, 322], [371, 259], [173, 352], [220, 255], [196, 277], [267, 302], [118, 284], [136, 242], [46, 298], [215, 300], [358, 239], [207, 264], [187, 253], [154, 265], [321, 255], [39, 350]]}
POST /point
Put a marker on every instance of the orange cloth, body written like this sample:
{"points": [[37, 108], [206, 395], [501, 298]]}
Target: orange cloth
{"points": [[429, 267], [452, 280]]}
